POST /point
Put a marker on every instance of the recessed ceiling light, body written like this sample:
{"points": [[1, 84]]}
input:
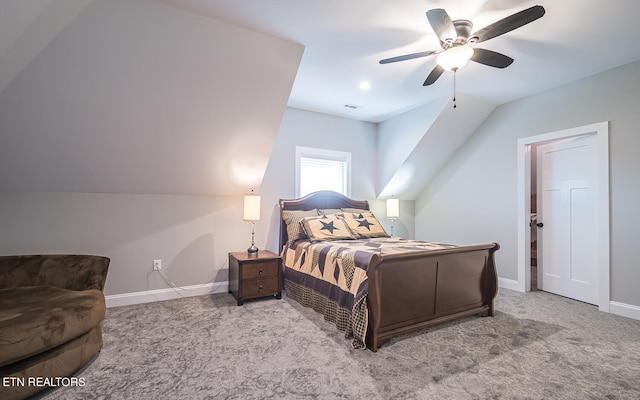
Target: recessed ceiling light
{"points": [[364, 85]]}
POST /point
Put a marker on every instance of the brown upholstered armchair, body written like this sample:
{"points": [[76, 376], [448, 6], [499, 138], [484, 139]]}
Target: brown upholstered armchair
{"points": [[51, 312]]}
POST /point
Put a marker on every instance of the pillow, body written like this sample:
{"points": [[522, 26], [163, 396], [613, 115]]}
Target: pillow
{"points": [[337, 215], [356, 211], [292, 219], [351, 213], [321, 228], [367, 226], [329, 211]]}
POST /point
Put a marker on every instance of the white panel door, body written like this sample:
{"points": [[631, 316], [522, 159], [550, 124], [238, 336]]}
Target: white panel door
{"points": [[567, 210]]}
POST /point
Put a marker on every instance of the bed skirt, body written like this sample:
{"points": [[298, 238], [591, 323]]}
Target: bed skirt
{"points": [[352, 322]]}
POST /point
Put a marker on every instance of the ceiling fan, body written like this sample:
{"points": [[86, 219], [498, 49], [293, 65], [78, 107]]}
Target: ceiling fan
{"points": [[456, 37]]}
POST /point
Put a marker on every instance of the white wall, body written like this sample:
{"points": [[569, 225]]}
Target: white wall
{"points": [[473, 198]]}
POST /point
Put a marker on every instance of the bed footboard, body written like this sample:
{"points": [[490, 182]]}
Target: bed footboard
{"points": [[415, 290]]}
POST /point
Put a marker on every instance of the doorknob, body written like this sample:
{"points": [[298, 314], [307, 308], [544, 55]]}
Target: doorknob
{"points": [[539, 224]]}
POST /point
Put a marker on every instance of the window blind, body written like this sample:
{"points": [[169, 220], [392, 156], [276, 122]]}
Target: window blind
{"points": [[323, 174]]}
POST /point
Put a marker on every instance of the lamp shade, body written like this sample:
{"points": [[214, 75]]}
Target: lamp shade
{"points": [[393, 208], [454, 58], [251, 207]]}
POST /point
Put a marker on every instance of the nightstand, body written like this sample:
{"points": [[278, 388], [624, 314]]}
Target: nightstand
{"points": [[255, 276]]}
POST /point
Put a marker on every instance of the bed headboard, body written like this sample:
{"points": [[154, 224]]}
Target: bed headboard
{"points": [[321, 200]]}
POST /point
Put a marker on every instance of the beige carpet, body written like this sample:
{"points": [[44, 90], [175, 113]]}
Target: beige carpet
{"points": [[538, 346]]}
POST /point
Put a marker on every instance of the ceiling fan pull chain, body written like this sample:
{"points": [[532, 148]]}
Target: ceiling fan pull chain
{"points": [[454, 87]]}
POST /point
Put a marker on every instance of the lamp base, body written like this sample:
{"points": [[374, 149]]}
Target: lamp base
{"points": [[252, 250]]}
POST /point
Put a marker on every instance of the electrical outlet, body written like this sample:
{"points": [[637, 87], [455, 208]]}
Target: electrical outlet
{"points": [[157, 265]]}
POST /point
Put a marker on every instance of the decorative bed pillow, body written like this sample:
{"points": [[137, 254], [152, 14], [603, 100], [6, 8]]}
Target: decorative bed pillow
{"points": [[329, 211], [338, 215], [321, 228], [355, 210], [350, 213], [292, 218], [367, 226]]}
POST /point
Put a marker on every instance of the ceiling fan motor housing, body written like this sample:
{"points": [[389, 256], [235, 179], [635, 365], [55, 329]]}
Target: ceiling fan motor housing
{"points": [[463, 31]]}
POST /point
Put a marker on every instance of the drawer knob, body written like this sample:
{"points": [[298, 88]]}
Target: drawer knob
{"points": [[260, 272], [260, 288]]}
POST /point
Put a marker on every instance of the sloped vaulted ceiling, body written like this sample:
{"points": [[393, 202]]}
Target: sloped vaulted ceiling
{"points": [[437, 131], [133, 96]]}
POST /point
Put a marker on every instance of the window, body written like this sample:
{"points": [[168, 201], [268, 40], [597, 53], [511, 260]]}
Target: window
{"points": [[320, 169]]}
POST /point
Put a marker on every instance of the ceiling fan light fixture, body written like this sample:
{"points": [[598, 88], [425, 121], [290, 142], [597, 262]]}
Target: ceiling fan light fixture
{"points": [[454, 58]]}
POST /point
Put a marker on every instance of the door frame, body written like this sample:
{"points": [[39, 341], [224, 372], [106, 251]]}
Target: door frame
{"points": [[601, 130]]}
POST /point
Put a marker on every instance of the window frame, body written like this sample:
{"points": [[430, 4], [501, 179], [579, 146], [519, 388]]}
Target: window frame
{"points": [[323, 154]]}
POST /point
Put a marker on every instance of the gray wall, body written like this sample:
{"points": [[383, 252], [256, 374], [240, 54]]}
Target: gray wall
{"points": [[126, 137], [138, 97], [473, 198], [309, 129], [191, 234]]}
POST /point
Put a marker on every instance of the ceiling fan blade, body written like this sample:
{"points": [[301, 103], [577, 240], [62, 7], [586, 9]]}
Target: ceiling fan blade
{"points": [[434, 75], [407, 57], [491, 58], [442, 25], [507, 24]]}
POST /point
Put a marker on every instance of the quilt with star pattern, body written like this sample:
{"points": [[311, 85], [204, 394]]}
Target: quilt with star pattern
{"points": [[331, 277]]}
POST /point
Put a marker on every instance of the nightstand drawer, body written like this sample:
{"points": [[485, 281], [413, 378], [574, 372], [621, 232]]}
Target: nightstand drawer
{"points": [[259, 269], [260, 287]]}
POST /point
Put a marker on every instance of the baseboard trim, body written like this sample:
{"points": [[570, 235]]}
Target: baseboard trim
{"points": [[149, 296], [625, 310], [509, 284], [622, 309]]}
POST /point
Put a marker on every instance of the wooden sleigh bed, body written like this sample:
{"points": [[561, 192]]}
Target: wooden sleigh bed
{"points": [[400, 291]]}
